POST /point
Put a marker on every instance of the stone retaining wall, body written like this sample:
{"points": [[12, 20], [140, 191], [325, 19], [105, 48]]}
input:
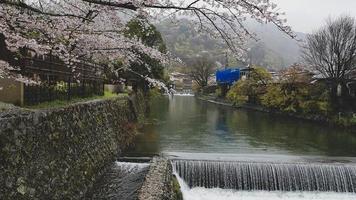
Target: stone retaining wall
{"points": [[158, 181], [59, 153]]}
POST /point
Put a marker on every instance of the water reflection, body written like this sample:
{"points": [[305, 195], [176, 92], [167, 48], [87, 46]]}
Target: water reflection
{"points": [[185, 124]]}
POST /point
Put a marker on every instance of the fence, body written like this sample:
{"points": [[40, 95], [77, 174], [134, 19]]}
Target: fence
{"points": [[59, 82]]}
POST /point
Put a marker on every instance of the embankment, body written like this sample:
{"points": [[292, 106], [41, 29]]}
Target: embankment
{"points": [[335, 121], [59, 153]]}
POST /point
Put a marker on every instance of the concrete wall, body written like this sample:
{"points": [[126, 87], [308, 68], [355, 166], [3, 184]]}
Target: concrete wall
{"points": [[59, 153], [114, 88], [158, 183], [11, 91]]}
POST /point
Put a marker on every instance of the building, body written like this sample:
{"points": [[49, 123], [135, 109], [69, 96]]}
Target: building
{"points": [[181, 81]]}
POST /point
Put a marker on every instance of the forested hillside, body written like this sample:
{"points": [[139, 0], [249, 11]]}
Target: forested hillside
{"points": [[274, 49]]}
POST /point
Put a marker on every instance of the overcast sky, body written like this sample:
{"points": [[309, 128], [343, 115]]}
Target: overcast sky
{"points": [[308, 15]]}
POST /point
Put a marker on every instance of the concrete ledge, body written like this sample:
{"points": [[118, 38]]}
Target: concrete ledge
{"points": [[158, 182]]}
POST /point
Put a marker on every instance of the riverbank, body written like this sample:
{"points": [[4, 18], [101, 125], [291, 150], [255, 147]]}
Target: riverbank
{"points": [[63, 103], [336, 121]]}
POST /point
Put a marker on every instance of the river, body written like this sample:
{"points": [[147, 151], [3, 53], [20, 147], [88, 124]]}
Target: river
{"points": [[185, 124], [289, 158]]}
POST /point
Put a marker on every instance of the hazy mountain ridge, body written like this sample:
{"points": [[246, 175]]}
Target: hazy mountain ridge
{"points": [[274, 49]]}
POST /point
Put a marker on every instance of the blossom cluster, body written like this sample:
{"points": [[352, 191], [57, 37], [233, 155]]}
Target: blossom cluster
{"points": [[75, 30]]}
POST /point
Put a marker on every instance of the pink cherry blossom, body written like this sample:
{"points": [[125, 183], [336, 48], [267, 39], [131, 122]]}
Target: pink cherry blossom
{"points": [[75, 30]]}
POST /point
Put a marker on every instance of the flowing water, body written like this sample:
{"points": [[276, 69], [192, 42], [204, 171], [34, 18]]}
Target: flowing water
{"points": [[267, 176], [200, 193], [221, 153], [121, 181], [186, 124]]}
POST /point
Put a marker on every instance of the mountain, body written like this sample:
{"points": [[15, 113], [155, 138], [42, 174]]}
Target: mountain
{"points": [[280, 49], [273, 50]]}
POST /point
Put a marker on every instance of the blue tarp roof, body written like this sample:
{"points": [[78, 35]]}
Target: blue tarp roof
{"points": [[228, 76]]}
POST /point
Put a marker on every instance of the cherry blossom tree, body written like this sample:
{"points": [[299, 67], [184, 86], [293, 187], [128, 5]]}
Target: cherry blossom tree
{"points": [[75, 30]]}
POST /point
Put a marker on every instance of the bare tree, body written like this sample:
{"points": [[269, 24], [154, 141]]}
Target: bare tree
{"points": [[332, 52], [201, 70]]}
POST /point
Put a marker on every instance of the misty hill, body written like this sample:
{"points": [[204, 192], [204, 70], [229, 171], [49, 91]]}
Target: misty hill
{"points": [[280, 49], [274, 49]]}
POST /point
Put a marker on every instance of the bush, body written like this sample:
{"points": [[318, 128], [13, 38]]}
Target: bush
{"points": [[273, 98], [306, 99], [237, 94], [154, 93], [293, 93], [345, 119], [218, 92], [252, 89], [353, 119], [310, 107]]}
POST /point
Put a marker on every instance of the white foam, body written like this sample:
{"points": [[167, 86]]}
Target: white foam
{"points": [[222, 194], [131, 167], [184, 94]]}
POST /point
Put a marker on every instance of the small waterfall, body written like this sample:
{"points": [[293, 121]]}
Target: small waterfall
{"points": [[121, 181], [184, 94], [267, 176]]}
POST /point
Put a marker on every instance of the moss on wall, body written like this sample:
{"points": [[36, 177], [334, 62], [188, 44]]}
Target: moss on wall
{"points": [[177, 193], [59, 153]]}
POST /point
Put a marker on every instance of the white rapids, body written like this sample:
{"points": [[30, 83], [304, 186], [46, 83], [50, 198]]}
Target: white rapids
{"points": [[223, 194], [129, 167], [184, 94], [199, 193]]}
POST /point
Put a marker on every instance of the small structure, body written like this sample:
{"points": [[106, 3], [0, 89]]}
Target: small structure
{"points": [[228, 76], [231, 75], [181, 81]]}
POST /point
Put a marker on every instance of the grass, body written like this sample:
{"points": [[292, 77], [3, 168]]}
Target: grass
{"points": [[345, 120], [177, 193], [63, 103], [5, 106]]}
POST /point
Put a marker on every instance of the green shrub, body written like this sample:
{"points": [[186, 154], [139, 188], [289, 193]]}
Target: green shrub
{"points": [[324, 107], [273, 98], [177, 193], [252, 89], [310, 107], [344, 119], [297, 98], [237, 94], [290, 108], [218, 92], [155, 93], [353, 119]]}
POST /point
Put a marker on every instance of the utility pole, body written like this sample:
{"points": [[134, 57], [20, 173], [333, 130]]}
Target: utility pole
{"points": [[226, 60]]}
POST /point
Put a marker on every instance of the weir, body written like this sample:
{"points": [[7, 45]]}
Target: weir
{"points": [[252, 176], [122, 181]]}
